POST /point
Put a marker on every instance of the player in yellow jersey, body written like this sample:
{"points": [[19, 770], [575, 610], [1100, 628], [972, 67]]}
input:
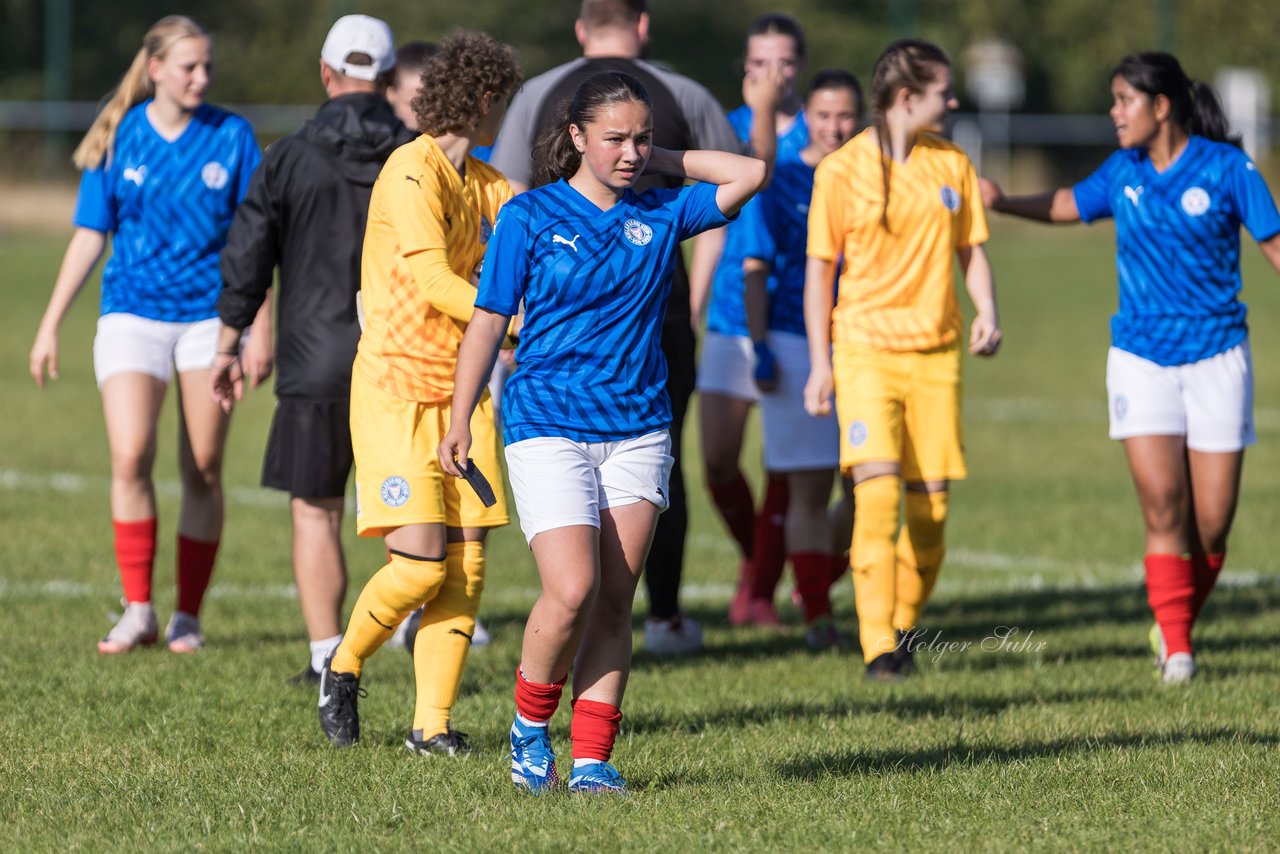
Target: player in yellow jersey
{"points": [[898, 205], [431, 213]]}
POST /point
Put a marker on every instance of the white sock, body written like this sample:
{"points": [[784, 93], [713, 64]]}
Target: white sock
{"points": [[320, 651], [578, 763], [526, 722]]}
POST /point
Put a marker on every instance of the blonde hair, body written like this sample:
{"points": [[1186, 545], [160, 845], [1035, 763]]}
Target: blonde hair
{"points": [[136, 86]]}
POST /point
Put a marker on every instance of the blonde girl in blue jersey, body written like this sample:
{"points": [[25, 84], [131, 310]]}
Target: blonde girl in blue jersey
{"points": [[162, 171], [1179, 373], [586, 416]]}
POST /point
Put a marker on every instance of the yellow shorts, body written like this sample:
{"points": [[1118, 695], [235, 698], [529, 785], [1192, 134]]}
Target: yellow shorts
{"points": [[398, 476], [901, 407]]}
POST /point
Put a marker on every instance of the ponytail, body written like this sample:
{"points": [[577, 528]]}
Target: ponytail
{"points": [[1192, 103], [554, 154], [135, 87]]}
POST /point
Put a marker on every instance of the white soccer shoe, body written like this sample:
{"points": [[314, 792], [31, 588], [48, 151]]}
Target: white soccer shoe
{"points": [[677, 636], [1178, 669], [136, 627], [183, 634]]}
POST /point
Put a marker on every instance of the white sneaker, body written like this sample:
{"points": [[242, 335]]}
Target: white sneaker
{"points": [[1178, 669], [480, 637], [183, 634], [1156, 638], [677, 636], [136, 627]]}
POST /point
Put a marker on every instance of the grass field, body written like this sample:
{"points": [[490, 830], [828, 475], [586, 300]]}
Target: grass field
{"points": [[1060, 738]]}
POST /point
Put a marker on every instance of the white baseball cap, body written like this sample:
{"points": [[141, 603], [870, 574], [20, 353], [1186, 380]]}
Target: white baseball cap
{"points": [[359, 34]]}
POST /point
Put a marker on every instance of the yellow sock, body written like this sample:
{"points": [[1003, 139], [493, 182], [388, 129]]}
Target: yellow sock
{"points": [[872, 559], [920, 552], [390, 596], [444, 638]]}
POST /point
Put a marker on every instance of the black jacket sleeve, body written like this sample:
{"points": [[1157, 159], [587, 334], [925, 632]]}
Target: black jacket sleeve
{"points": [[252, 251]]}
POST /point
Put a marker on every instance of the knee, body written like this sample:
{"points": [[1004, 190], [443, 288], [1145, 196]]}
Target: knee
{"points": [[721, 468], [926, 517], [202, 475], [420, 577], [1165, 510], [132, 464], [573, 598]]}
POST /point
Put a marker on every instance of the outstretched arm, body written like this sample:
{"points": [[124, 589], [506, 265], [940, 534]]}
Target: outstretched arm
{"points": [[737, 177], [476, 355], [1052, 206]]}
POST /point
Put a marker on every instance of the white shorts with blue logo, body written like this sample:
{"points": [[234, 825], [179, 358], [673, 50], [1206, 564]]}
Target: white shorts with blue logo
{"points": [[1209, 401], [559, 482]]}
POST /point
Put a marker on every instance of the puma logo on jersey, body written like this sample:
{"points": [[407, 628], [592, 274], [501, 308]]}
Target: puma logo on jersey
{"points": [[1133, 194], [414, 180], [572, 244], [136, 176]]}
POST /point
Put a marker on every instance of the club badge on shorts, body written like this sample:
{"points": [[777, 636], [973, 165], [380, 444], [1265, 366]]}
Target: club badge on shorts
{"points": [[395, 491], [857, 433]]}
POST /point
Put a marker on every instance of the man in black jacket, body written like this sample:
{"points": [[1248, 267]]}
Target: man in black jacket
{"points": [[305, 212]]}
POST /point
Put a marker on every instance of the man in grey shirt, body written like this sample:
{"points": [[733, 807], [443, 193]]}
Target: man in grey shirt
{"points": [[613, 34]]}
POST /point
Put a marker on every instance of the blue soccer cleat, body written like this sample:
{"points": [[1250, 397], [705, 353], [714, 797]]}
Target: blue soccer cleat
{"points": [[598, 778], [533, 761]]}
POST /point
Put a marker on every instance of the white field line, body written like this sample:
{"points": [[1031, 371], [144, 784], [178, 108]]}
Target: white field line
{"points": [[1092, 410], [12, 479]]}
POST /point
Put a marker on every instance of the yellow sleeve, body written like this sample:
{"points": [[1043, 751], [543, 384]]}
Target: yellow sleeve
{"points": [[826, 214], [448, 292], [971, 224]]}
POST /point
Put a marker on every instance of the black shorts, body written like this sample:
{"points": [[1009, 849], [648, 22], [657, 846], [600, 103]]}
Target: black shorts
{"points": [[309, 449]]}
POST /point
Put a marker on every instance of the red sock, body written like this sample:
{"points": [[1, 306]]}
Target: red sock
{"points": [[1206, 569], [195, 567], [594, 729], [770, 538], [537, 701], [733, 500], [1170, 589], [135, 555], [813, 582]]}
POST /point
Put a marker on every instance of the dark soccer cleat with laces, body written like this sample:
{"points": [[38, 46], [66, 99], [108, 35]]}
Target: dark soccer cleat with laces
{"points": [[339, 695], [450, 743]]}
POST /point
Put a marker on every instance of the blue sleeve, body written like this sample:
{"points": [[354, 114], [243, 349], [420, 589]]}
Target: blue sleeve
{"points": [[95, 206], [250, 157], [1253, 199], [757, 237], [1093, 194], [697, 210], [506, 263]]}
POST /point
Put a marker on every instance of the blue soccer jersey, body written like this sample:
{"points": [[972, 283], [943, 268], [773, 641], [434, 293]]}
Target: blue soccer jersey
{"points": [[726, 313], [776, 225], [169, 205], [1178, 246], [594, 285]]}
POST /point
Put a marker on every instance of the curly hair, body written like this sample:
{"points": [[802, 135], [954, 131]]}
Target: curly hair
{"points": [[456, 78]]}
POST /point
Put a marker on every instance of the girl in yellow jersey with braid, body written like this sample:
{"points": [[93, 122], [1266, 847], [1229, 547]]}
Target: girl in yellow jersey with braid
{"points": [[898, 205], [430, 215]]}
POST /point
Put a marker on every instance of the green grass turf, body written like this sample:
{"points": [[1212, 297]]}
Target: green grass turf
{"points": [[1064, 742]]}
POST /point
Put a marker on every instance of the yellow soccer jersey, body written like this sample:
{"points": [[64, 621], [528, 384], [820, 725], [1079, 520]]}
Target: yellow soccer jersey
{"points": [[409, 347], [897, 291]]}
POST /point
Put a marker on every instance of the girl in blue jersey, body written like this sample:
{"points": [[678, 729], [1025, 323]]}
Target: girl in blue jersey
{"points": [[1179, 376], [771, 125], [163, 173], [587, 414], [802, 448]]}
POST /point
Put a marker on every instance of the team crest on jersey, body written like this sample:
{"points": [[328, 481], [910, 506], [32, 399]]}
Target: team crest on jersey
{"points": [[135, 176], [637, 232], [486, 230], [857, 433], [1120, 407], [214, 175], [1195, 201], [950, 198], [395, 491]]}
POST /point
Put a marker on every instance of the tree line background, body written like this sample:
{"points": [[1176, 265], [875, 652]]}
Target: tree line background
{"points": [[266, 52]]}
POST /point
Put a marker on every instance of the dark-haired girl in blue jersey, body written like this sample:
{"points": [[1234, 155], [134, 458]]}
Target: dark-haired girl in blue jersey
{"points": [[586, 415], [163, 173], [1179, 375]]}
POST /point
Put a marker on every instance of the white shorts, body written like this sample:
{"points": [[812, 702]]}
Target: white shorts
{"points": [[127, 343], [1210, 401], [727, 366], [794, 440], [559, 482]]}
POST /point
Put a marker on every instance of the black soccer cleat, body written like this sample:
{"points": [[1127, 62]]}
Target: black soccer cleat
{"points": [[884, 668], [906, 656], [339, 715], [450, 743]]}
